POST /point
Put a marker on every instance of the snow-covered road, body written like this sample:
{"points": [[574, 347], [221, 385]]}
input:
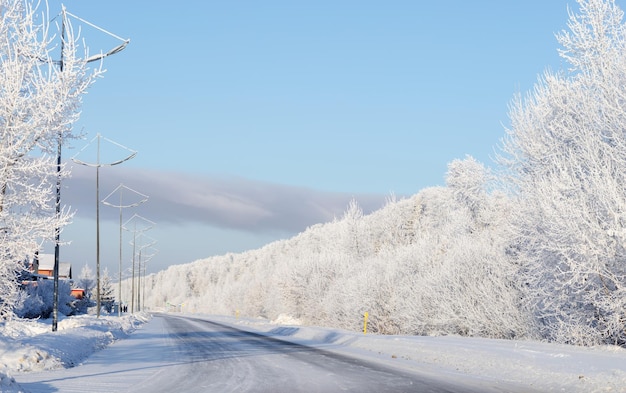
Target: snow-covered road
{"points": [[218, 357], [176, 353]]}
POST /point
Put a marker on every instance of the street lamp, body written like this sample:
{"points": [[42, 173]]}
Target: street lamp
{"points": [[143, 198], [145, 263], [139, 225], [143, 258], [97, 165]]}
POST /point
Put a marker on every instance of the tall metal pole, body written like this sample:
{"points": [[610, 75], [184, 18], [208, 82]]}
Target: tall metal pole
{"points": [[142, 198], [98, 302], [57, 232], [143, 287], [139, 281], [143, 258], [146, 225], [119, 291], [98, 165], [137, 260], [132, 285], [146, 259], [57, 241]]}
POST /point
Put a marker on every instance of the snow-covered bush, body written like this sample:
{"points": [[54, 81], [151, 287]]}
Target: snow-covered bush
{"points": [[36, 299]]}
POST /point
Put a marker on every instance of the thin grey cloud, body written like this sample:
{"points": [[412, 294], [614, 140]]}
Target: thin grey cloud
{"points": [[232, 203]]}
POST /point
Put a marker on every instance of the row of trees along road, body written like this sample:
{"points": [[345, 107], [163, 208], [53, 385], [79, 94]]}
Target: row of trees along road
{"points": [[535, 248], [38, 103]]}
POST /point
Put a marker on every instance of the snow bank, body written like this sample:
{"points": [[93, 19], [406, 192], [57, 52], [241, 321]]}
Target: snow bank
{"points": [[536, 365], [30, 345]]}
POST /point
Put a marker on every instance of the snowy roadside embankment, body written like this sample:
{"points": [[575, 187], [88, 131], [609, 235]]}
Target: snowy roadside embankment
{"points": [[536, 365], [30, 345]]}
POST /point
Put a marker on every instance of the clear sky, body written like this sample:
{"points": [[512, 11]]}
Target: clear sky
{"points": [[256, 119]]}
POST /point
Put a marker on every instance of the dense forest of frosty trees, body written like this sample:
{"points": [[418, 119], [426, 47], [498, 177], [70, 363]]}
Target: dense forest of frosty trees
{"points": [[433, 264], [536, 249]]}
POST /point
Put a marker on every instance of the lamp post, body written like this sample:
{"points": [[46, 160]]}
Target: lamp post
{"points": [[57, 233], [139, 225], [142, 259], [148, 258], [97, 165], [143, 198]]}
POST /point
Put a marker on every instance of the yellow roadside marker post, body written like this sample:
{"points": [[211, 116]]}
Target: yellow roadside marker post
{"points": [[365, 316]]}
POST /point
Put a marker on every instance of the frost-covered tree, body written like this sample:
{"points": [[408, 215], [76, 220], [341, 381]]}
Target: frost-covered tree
{"points": [[39, 100], [566, 155], [468, 179], [107, 297], [86, 280], [352, 236]]}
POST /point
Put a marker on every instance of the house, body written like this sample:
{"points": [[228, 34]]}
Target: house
{"points": [[44, 266], [78, 293], [41, 267]]}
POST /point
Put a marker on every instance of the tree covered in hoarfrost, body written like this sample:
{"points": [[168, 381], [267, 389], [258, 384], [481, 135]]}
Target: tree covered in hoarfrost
{"points": [[86, 281], [467, 179], [38, 102], [107, 291], [566, 156]]}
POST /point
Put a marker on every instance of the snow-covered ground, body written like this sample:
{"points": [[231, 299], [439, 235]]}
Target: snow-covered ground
{"points": [[30, 345], [27, 346]]}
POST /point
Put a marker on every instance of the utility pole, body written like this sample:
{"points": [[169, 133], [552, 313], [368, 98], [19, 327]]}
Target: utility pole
{"points": [[98, 164], [144, 225], [120, 189], [146, 260], [143, 259], [57, 230]]}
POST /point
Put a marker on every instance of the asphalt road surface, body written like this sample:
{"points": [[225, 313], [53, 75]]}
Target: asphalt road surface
{"points": [[185, 354], [224, 359]]}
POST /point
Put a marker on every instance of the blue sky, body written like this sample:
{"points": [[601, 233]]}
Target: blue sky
{"points": [[253, 120]]}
